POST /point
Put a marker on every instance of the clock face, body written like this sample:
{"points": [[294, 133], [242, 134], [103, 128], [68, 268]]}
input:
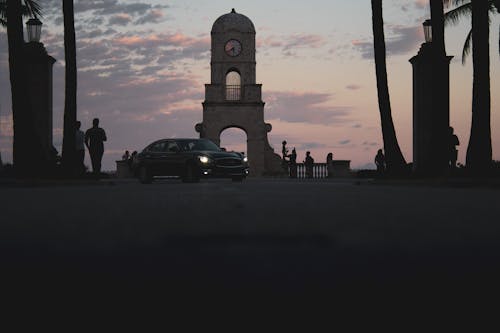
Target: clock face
{"points": [[233, 48]]}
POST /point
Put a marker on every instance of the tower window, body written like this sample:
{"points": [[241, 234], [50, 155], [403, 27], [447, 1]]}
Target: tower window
{"points": [[233, 86]]}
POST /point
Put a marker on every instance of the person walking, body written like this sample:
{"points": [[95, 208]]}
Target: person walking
{"points": [[80, 149], [94, 140]]}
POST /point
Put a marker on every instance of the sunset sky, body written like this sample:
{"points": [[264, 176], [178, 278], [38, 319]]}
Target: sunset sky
{"points": [[143, 65]]}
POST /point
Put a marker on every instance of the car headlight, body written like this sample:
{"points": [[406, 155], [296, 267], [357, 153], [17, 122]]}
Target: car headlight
{"points": [[204, 159], [245, 159]]}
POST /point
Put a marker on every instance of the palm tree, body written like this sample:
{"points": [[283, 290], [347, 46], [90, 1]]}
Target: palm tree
{"points": [[25, 148], [479, 152], [394, 158], [69, 149], [464, 9]]}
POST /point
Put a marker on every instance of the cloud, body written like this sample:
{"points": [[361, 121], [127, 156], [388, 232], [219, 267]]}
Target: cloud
{"points": [[353, 87], [95, 12], [173, 45], [289, 44], [120, 19], [305, 107], [399, 41], [344, 142], [152, 16], [311, 145]]}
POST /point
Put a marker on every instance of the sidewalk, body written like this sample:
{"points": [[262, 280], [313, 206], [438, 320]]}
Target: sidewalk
{"points": [[461, 182], [9, 182]]}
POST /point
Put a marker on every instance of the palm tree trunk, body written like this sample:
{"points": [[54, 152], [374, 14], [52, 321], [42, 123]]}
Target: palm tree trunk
{"points": [[394, 158], [21, 109], [69, 148], [437, 18], [479, 156]]}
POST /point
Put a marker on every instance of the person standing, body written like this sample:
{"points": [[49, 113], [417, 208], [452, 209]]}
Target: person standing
{"points": [[293, 164], [94, 140], [453, 152], [329, 164], [380, 162], [284, 153], [80, 149], [309, 163], [284, 150]]}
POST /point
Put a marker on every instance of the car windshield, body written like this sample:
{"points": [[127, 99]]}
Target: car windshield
{"points": [[198, 145]]}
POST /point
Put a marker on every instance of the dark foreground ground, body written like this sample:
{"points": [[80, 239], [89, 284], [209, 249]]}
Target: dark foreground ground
{"points": [[281, 244]]}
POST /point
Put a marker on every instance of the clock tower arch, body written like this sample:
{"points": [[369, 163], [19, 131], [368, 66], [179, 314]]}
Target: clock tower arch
{"points": [[233, 98]]}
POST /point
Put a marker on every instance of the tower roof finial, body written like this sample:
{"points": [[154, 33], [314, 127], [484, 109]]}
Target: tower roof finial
{"points": [[233, 11]]}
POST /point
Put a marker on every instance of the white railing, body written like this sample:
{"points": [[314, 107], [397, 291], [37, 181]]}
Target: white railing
{"points": [[339, 168], [233, 93]]}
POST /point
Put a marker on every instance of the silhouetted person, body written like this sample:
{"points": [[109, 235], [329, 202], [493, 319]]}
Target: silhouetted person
{"points": [[80, 148], [329, 164], [284, 152], [380, 162], [133, 159], [309, 163], [293, 164], [452, 148], [94, 140], [126, 156]]}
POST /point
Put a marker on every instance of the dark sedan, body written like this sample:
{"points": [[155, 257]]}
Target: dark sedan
{"points": [[189, 159]]}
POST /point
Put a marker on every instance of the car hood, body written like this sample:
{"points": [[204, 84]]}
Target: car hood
{"points": [[219, 154]]}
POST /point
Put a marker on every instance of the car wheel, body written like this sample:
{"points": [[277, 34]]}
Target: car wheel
{"points": [[145, 176], [237, 179], [191, 174]]}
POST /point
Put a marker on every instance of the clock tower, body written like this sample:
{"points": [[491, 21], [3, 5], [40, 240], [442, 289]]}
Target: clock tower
{"points": [[233, 99]]}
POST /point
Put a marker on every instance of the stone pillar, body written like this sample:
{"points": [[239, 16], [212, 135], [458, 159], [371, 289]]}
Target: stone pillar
{"points": [[39, 72], [431, 111]]}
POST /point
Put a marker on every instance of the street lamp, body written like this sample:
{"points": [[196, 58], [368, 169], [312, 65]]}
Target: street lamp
{"points": [[428, 31], [34, 28]]}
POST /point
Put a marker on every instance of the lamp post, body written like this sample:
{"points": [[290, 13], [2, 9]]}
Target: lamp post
{"points": [[39, 73], [428, 31], [34, 29], [431, 107]]}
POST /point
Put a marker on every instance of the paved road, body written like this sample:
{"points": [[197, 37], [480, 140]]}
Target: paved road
{"points": [[272, 238]]}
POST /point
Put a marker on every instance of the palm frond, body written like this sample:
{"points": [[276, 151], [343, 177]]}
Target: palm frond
{"points": [[3, 11], [33, 8], [460, 2], [30, 8], [467, 47], [454, 15]]}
